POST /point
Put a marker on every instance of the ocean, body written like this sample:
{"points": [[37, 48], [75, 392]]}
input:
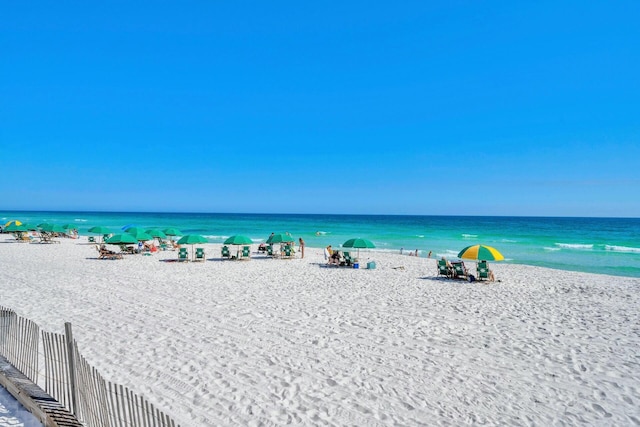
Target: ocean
{"points": [[595, 245]]}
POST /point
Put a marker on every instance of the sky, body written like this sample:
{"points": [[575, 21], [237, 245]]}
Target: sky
{"points": [[353, 107]]}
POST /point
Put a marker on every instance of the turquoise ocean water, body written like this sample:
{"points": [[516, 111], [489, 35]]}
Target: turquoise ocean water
{"points": [[599, 245]]}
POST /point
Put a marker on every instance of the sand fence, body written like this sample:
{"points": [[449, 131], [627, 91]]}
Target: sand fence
{"points": [[70, 379]]}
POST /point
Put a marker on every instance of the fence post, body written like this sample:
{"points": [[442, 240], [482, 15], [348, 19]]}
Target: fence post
{"points": [[72, 368]]}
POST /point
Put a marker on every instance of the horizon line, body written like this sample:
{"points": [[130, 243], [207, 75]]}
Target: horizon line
{"points": [[320, 214]]}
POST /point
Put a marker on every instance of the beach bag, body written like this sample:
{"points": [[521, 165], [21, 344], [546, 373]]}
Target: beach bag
{"points": [[472, 278]]}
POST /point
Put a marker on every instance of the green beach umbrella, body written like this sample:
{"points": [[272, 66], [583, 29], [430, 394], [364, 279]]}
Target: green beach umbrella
{"points": [[238, 240], [30, 227], [172, 232], [134, 230], [279, 238], [52, 228], [98, 229], [70, 226], [481, 252], [156, 233], [44, 224], [139, 234], [358, 243], [192, 239], [122, 239]]}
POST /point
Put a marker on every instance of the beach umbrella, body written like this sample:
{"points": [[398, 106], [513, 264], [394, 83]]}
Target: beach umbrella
{"points": [[134, 230], [238, 240], [44, 224], [122, 239], [192, 239], [156, 233], [98, 229], [13, 221], [52, 228], [15, 228], [481, 252], [139, 235], [30, 227], [172, 232], [70, 226], [358, 243], [126, 227], [279, 238]]}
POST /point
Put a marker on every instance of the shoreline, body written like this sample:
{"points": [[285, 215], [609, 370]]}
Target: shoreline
{"points": [[292, 341], [585, 244]]}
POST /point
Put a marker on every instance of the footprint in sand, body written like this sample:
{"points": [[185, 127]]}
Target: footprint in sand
{"points": [[599, 409]]}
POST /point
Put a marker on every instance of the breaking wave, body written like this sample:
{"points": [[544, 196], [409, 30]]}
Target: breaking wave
{"points": [[574, 246], [626, 249]]}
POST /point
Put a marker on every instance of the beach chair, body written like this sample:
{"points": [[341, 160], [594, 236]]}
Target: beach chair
{"points": [[104, 253], [183, 255], [348, 261], [287, 252], [199, 254], [483, 270], [125, 249], [459, 270], [92, 239], [246, 252], [270, 250], [444, 269], [225, 252]]}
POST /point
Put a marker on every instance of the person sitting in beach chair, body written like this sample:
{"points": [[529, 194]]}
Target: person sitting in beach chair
{"points": [[262, 248], [106, 253], [459, 270], [445, 268], [335, 258]]}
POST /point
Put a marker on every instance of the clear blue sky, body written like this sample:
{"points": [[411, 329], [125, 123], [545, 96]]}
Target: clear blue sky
{"points": [[426, 107]]}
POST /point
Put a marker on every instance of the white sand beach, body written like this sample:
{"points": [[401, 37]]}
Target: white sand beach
{"points": [[275, 342]]}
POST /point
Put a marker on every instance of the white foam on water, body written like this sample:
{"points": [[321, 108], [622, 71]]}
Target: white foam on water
{"points": [[469, 236], [574, 246], [547, 248], [209, 236], [626, 249], [80, 220], [508, 241]]}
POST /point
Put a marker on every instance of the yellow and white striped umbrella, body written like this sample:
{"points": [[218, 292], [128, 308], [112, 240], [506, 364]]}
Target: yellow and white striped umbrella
{"points": [[481, 252]]}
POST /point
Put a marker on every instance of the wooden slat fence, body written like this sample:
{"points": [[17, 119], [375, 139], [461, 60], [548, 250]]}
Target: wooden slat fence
{"points": [[19, 342], [57, 377], [84, 392]]}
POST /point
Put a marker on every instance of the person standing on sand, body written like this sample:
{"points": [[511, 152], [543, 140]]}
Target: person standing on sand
{"points": [[429, 256], [301, 247]]}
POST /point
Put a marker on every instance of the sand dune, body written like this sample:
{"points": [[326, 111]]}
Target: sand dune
{"points": [[274, 342]]}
